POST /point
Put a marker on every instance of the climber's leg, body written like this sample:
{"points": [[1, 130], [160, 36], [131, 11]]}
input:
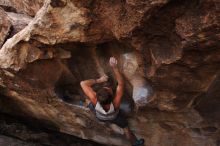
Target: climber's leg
{"points": [[132, 138], [129, 135], [122, 122]]}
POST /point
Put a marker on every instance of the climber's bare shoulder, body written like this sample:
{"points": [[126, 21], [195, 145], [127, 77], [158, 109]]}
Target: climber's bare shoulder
{"points": [[90, 93]]}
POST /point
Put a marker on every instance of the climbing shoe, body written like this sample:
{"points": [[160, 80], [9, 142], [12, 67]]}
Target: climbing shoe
{"points": [[139, 142]]}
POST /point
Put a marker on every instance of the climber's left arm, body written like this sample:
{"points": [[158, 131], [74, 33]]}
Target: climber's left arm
{"points": [[87, 87]]}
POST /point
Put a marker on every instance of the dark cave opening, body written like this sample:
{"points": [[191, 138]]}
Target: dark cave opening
{"points": [[89, 62]]}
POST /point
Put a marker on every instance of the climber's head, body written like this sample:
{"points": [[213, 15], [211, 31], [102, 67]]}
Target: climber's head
{"points": [[104, 95]]}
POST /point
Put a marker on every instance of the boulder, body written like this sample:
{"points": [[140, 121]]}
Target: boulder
{"points": [[175, 56]]}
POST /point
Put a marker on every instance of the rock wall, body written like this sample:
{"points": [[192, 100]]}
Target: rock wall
{"points": [[49, 46]]}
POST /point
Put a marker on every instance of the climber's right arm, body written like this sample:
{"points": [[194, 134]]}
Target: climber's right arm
{"points": [[120, 80]]}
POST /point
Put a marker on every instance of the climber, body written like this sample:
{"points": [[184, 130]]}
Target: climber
{"points": [[105, 106]]}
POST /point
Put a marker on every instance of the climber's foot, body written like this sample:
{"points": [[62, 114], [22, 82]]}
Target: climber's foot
{"points": [[139, 142]]}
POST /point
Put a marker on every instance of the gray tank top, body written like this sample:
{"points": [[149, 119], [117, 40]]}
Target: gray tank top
{"points": [[101, 114]]}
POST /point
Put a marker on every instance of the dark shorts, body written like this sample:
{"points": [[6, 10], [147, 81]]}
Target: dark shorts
{"points": [[120, 120]]}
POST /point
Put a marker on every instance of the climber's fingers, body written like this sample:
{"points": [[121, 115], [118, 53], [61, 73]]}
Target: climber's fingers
{"points": [[103, 78], [113, 61]]}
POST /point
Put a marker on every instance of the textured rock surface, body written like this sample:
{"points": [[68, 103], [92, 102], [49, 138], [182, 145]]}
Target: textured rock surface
{"points": [[176, 49], [19, 21], [21, 132], [29, 7], [14, 142], [5, 26]]}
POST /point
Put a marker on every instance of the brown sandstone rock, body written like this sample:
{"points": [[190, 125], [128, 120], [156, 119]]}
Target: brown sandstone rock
{"points": [[14, 142], [176, 44], [29, 7], [5, 26], [19, 22]]}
